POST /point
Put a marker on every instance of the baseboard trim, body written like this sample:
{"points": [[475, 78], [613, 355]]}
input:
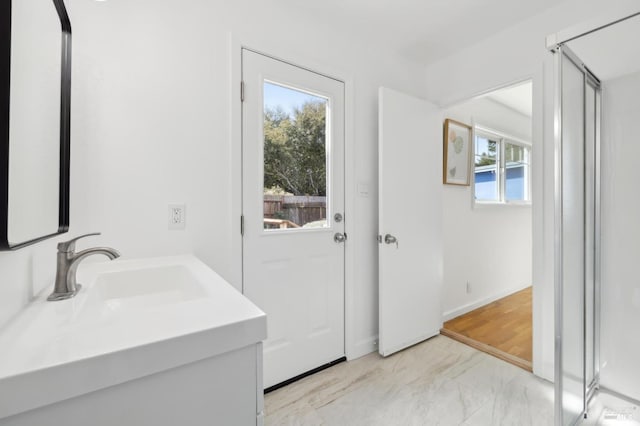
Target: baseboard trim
{"points": [[519, 362], [362, 348], [305, 374], [454, 313]]}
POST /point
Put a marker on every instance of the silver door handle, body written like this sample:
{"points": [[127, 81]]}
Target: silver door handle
{"points": [[390, 239], [339, 237]]}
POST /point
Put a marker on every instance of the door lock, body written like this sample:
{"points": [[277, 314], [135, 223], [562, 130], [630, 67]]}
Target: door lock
{"points": [[390, 239], [339, 237], [337, 217]]}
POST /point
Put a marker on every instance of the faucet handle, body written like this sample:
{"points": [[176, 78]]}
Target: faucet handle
{"points": [[70, 246]]}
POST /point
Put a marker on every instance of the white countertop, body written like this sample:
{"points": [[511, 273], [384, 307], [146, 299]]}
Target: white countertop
{"points": [[57, 350]]}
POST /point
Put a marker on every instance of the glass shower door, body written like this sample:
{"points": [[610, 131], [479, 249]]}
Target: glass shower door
{"points": [[576, 218]]}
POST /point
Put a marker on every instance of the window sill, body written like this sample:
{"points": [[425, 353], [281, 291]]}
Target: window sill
{"points": [[492, 204]]}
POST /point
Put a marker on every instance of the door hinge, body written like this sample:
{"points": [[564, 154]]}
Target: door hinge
{"points": [[242, 91], [242, 225]]}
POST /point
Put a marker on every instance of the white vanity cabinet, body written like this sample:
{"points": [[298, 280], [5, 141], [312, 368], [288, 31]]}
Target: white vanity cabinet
{"points": [[220, 390], [184, 351]]}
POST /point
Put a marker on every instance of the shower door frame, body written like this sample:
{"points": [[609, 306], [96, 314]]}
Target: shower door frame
{"points": [[589, 79], [556, 43]]}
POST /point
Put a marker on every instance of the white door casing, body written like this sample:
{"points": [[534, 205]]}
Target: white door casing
{"points": [[410, 210], [295, 275]]}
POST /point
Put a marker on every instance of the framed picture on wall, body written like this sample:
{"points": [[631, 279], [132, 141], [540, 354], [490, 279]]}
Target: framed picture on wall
{"points": [[457, 153]]}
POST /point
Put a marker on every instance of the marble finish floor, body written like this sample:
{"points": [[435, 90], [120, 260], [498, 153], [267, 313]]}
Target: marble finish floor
{"points": [[437, 382]]}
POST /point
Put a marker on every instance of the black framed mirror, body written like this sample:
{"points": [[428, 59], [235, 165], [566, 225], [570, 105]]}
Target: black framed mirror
{"points": [[35, 101]]}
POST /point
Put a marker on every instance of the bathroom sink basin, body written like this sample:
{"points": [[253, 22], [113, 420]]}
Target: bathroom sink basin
{"points": [[132, 318], [137, 288]]}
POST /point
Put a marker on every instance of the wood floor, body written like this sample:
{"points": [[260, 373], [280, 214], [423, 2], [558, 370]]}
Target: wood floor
{"points": [[501, 328]]}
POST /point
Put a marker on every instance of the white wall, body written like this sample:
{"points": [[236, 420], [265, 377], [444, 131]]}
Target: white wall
{"points": [[151, 125], [620, 345], [488, 246], [516, 53]]}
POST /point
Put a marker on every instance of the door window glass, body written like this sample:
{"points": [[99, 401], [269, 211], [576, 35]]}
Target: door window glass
{"points": [[295, 158]]}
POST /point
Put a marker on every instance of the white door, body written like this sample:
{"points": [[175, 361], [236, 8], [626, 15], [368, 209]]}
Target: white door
{"points": [[410, 220], [293, 208]]}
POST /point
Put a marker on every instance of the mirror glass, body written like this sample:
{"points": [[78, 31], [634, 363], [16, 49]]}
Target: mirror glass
{"points": [[35, 100]]}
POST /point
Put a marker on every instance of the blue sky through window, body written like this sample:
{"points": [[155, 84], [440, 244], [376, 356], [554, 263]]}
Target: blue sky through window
{"points": [[285, 97]]}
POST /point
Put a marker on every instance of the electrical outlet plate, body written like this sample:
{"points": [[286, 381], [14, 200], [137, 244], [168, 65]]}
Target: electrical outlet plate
{"points": [[177, 216]]}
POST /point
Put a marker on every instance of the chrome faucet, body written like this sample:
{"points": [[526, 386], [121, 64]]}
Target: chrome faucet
{"points": [[68, 260]]}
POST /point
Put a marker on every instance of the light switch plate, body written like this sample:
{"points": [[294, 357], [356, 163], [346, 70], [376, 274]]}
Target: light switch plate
{"points": [[363, 190]]}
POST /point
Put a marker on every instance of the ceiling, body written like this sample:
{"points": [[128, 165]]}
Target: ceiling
{"points": [[518, 97], [422, 30], [611, 52]]}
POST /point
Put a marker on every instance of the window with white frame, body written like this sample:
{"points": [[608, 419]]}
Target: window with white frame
{"points": [[502, 172]]}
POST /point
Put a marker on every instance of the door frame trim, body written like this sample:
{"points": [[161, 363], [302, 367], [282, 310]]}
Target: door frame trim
{"points": [[542, 229], [235, 44]]}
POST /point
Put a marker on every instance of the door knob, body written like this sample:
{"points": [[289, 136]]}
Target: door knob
{"points": [[390, 239], [339, 237]]}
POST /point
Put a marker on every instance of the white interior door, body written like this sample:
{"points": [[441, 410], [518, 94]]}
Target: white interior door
{"points": [[293, 208], [410, 220]]}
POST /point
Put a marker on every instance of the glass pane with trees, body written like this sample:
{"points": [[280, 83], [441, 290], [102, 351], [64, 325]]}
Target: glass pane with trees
{"points": [[502, 169], [486, 168], [517, 171], [295, 158]]}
